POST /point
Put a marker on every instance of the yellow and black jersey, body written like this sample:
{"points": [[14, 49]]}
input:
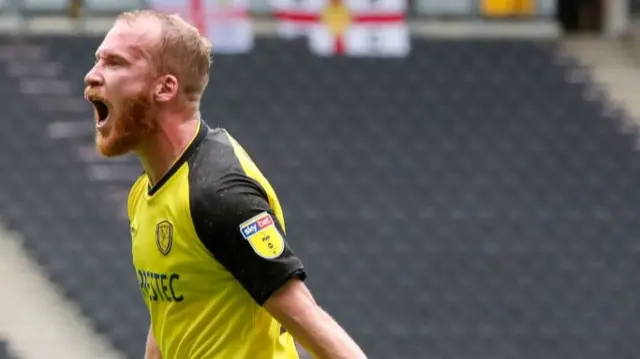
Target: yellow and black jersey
{"points": [[209, 248]]}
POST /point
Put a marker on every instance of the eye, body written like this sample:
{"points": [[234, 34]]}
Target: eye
{"points": [[111, 63], [115, 61]]}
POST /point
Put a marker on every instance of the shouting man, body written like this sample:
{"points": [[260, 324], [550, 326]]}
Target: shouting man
{"points": [[208, 233]]}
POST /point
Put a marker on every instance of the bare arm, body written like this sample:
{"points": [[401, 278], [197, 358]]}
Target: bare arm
{"points": [[294, 307], [152, 351]]}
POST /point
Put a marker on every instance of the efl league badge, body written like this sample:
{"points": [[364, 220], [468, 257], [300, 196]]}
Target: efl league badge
{"points": [[263, 235]]}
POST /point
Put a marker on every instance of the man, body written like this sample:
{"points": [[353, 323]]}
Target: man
{"points": [[208, 234]]}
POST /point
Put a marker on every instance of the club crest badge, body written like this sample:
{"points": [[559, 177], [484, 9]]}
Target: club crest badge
{"points": [[263, 235], [164, 237]]}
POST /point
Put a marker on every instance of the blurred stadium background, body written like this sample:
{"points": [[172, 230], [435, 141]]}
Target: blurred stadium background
{"points": [[461, 177]]}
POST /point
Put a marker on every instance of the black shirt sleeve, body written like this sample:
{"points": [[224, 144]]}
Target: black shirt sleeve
{"points": [[235, 222]]}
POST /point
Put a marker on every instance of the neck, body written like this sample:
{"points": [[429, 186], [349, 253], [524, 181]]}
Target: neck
{"points": [[161, 150]]}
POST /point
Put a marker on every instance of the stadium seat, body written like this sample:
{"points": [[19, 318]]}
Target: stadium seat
{"points": [[101, 7], [4, 351], [447, 8], [44, 7], [465, 202]]}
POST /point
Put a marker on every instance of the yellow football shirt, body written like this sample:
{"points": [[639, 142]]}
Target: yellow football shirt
{"points": [[209, 248]]}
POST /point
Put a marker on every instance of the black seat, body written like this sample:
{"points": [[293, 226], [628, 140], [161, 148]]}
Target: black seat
{"points": [[465, 202]]}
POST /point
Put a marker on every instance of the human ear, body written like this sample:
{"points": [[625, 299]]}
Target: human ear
{"points": [[166, 88]]}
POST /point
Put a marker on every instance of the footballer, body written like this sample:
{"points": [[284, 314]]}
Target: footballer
{"points": [[208, 233]]}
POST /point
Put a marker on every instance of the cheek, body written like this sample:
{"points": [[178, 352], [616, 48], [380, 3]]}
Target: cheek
{"points": [[124, 88]]}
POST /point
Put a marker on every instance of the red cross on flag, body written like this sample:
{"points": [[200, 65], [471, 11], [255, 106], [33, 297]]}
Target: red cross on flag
{"points": [[350, 27], [225, 22]]}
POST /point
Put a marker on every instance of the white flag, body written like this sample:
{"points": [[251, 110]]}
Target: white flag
{"points": [[225, 22]]}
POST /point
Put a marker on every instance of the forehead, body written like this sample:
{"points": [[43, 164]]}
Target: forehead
{"points": [[133, 38]]}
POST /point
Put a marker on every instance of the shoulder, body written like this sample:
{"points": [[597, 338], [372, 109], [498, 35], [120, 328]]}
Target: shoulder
{"points": [[217, 173], [219, 153], [135, 193], [215, 155], [226, 197], [237, 217]]}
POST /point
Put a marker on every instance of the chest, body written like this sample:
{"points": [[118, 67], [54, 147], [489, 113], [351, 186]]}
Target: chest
{"points": [[159, 235], [170, 260]]}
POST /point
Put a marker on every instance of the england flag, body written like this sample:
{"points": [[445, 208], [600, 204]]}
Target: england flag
{"points": [[225, 22]]}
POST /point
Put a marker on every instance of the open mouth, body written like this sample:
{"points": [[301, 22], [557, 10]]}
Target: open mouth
{"points": [[102, 110]]}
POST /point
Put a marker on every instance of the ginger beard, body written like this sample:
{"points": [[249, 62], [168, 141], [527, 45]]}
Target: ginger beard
{"points": [[129, 123]]}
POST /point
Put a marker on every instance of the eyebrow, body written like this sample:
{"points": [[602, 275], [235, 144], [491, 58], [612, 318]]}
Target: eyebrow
{"points": [[111, 55]]}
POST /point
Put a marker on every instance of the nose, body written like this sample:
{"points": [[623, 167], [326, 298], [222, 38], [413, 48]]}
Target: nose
{"points": [[93, 78]]}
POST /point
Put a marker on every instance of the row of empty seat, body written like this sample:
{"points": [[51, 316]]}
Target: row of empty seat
{"points": [[465, 202], [52, 7], [4, 351], [465, 8]]}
